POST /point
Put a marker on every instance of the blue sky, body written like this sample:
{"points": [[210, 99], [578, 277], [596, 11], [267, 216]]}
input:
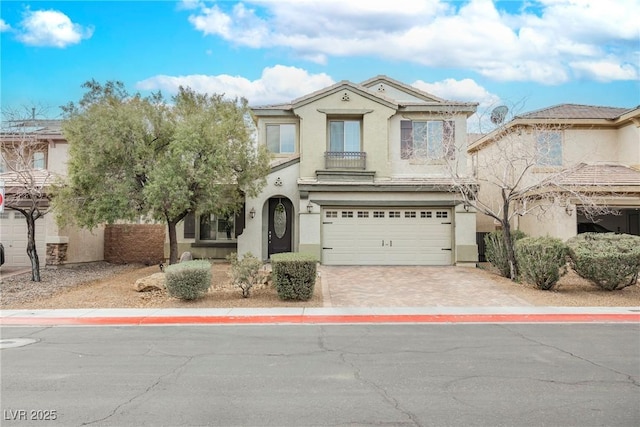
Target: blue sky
{"points": [[526, 55]]}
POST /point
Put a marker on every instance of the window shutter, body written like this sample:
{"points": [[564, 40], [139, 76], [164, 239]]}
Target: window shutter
{"points": [[190, 226], [406, 139], [450, 139]]}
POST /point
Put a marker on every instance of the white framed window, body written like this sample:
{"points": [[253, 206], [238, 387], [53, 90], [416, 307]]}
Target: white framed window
{"points": [[215, 227], [430, 139], [281, 138], [394, 214], [378, 214], [331, 214], [549, 148], [344, 135], [347, 214], [38, 160]]}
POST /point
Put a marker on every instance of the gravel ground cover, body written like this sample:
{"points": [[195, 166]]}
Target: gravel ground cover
{"points": [[104, 285]]}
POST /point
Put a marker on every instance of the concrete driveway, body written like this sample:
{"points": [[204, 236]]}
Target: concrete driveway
{"points": [[412, 286]]}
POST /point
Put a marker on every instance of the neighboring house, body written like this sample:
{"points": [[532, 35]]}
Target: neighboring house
{"points": [[47, 150], [359, 177], [598, 147]]}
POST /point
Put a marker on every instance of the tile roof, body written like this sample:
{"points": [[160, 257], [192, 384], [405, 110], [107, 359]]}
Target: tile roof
{"points": [[575, 111], [603, 175]]}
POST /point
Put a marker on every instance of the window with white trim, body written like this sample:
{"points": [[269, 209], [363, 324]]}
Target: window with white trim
{"points": [[344, 135], [431, 139], [281, 138]]}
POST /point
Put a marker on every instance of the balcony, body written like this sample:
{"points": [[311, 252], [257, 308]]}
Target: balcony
{"points": [[345, 160]]}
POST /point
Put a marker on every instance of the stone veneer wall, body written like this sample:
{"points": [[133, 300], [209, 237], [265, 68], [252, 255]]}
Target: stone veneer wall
{"points": [[134, 243], [56, 253]]}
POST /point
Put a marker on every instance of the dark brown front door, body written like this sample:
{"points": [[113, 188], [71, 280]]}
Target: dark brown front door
{"points": [[280, 221]]}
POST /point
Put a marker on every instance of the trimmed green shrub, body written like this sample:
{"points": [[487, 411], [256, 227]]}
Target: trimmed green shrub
{"points": [[496, 252], [188, 280], [245, 272], [611, 261], [294, 275], [541, 260]]}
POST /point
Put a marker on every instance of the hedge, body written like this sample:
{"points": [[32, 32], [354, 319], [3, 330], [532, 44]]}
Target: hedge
{"points": [[611, 261], [294, 275], [495, 251], [541, 260], [188, 280]]}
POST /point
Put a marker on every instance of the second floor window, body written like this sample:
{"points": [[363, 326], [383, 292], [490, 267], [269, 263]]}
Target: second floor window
{"points": [[549, 148], [432, 139], [281, 139], [39, 160], [344, 135]]}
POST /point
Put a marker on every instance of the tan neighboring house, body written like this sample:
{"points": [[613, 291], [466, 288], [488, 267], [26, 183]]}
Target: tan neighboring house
{"points": [[597, 147], [359, 177], [47, 149]]}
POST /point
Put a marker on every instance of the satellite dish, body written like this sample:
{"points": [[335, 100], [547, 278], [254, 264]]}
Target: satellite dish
{"points": [[498, 114]]}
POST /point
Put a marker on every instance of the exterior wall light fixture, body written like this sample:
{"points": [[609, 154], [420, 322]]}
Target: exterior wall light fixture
{"points": [[252, 213]]}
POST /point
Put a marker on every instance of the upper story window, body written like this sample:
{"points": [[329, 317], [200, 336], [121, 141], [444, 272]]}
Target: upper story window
{"points": [[431, 139], [281, 138], [344, 135], [549, 148], [38, 160]]}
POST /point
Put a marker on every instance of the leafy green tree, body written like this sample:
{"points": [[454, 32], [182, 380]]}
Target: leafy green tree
{"points": [[132, 156]]}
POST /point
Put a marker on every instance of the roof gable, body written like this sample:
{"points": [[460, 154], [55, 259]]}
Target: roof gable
{"points": [[401, 92], [342, 86]]}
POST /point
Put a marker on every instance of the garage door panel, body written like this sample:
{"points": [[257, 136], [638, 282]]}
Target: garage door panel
{"points": [[13, 235], [384, 236]]}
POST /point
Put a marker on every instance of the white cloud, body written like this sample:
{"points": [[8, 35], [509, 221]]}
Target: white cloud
{"points": [[466, 90], [4, 26], [541, 42], [51, 28], [276, 84], [605, 70]]}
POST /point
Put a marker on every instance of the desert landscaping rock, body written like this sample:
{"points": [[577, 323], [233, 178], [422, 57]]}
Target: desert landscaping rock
{"points": [[155, 282], [104, 285]]}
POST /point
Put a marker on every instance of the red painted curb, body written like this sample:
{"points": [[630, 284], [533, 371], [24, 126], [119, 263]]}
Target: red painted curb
{"points": [[331, 319]]}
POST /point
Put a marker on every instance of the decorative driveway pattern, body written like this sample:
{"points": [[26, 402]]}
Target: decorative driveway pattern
{"points": [[412, 286]]}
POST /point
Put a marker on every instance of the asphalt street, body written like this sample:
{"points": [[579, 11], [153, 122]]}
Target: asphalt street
{"points": [[322, 375]]}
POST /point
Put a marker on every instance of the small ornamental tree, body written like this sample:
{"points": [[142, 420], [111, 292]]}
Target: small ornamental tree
{"points": [[132, 156]]}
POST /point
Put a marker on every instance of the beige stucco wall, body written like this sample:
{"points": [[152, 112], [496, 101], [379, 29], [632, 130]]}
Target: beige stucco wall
{"points": [[589, 146], [281, 183], [57, 157], [314, 131], [629, 145]]}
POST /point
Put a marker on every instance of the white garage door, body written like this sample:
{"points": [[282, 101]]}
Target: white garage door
{"points": [[386, 236], [13, 235]]}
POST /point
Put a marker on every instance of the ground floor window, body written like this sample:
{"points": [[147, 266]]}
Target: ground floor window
{"points": [[217, 227]]}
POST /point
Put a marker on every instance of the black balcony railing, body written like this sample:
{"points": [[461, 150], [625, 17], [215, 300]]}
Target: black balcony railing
{"points": [[345, 160]]}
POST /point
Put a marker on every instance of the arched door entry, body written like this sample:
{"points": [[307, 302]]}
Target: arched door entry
{"points": [[280, 225]]}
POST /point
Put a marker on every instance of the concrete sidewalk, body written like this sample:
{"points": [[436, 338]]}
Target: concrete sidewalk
{"points": [[105, 317]]}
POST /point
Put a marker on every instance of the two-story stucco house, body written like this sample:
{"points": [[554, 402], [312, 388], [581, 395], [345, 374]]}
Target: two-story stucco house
{"points": [[597, 147], [358, 177], [37, 149]]}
